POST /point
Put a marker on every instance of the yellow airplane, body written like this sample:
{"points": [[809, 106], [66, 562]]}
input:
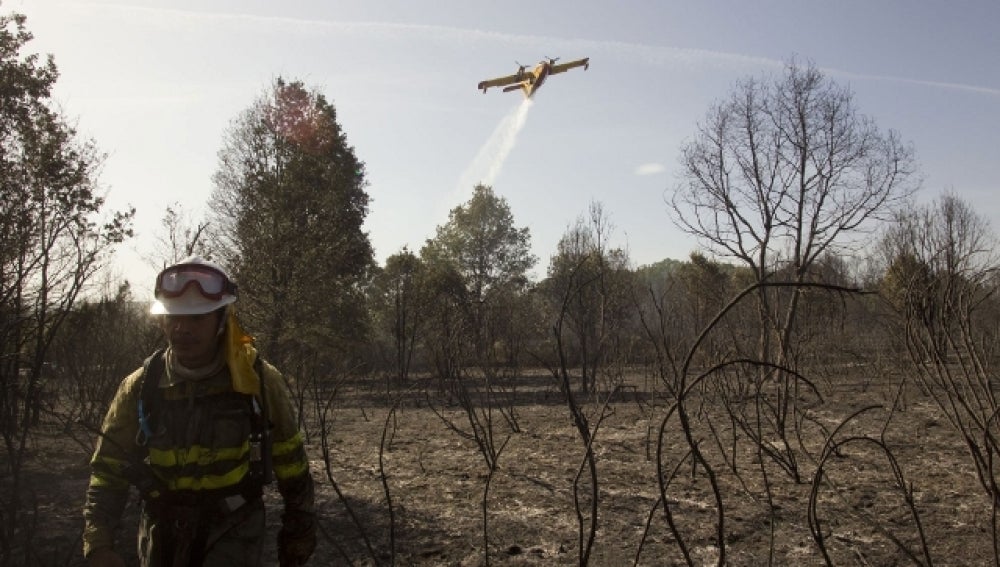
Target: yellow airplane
{"points": [[531, 81]]}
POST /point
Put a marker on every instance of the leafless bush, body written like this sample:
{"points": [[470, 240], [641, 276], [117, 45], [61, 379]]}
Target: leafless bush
{"points": [[736, 400], [837, 446]]}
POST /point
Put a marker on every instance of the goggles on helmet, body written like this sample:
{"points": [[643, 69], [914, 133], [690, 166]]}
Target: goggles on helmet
{"points": [[211, 283]]}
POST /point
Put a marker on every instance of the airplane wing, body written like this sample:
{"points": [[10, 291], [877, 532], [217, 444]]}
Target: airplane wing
{"points": [[500, 81], [585, 62]]}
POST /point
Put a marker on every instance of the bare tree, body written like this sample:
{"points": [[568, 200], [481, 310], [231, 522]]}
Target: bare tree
{"points": [[52, 242], [102, 341], [784, 171], [181, 236], [942, 280], [588, 285], [780, 174]]}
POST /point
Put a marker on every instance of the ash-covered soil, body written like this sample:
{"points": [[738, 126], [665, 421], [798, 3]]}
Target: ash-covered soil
{"points": [[406, 480]]}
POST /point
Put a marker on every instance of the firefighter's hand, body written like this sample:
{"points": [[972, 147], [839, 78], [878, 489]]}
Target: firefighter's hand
{"points": [[105, 557], [297, 538]]}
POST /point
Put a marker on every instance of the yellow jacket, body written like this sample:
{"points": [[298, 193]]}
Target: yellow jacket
{"points": [[200, 446]]}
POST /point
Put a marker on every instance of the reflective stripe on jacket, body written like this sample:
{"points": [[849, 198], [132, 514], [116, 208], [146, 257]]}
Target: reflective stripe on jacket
{"points": [[200, 445]]}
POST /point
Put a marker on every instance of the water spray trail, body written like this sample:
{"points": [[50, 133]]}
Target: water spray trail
{"points": [[488, 163], [506, 139]]}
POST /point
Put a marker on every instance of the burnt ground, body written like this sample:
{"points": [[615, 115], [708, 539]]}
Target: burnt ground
{"points": [[419, 500]]}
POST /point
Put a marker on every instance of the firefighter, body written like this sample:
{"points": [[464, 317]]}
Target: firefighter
{"points": [[200, 429]]}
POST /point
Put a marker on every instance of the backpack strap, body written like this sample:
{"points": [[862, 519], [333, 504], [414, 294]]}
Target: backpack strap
{"points": [[261, 465], [150, 394]]}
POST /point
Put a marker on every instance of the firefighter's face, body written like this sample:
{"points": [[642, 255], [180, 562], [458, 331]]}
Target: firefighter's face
{"points": [[193, 338]]}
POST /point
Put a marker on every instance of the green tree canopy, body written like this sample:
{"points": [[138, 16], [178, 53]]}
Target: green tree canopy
{"points": [[398, 301], [477, 267], [289, 203], [480, 239]]}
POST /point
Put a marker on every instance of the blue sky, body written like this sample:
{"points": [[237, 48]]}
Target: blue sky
{"points": [[156, 84]]}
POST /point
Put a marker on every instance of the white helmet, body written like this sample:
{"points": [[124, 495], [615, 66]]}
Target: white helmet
{"points": [[191, 287]]}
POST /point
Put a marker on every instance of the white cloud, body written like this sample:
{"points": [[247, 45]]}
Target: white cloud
{"points": [[650, 169]]}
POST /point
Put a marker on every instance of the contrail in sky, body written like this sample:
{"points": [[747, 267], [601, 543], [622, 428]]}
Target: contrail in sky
{"points": [[488, 163], [650, 54]]}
